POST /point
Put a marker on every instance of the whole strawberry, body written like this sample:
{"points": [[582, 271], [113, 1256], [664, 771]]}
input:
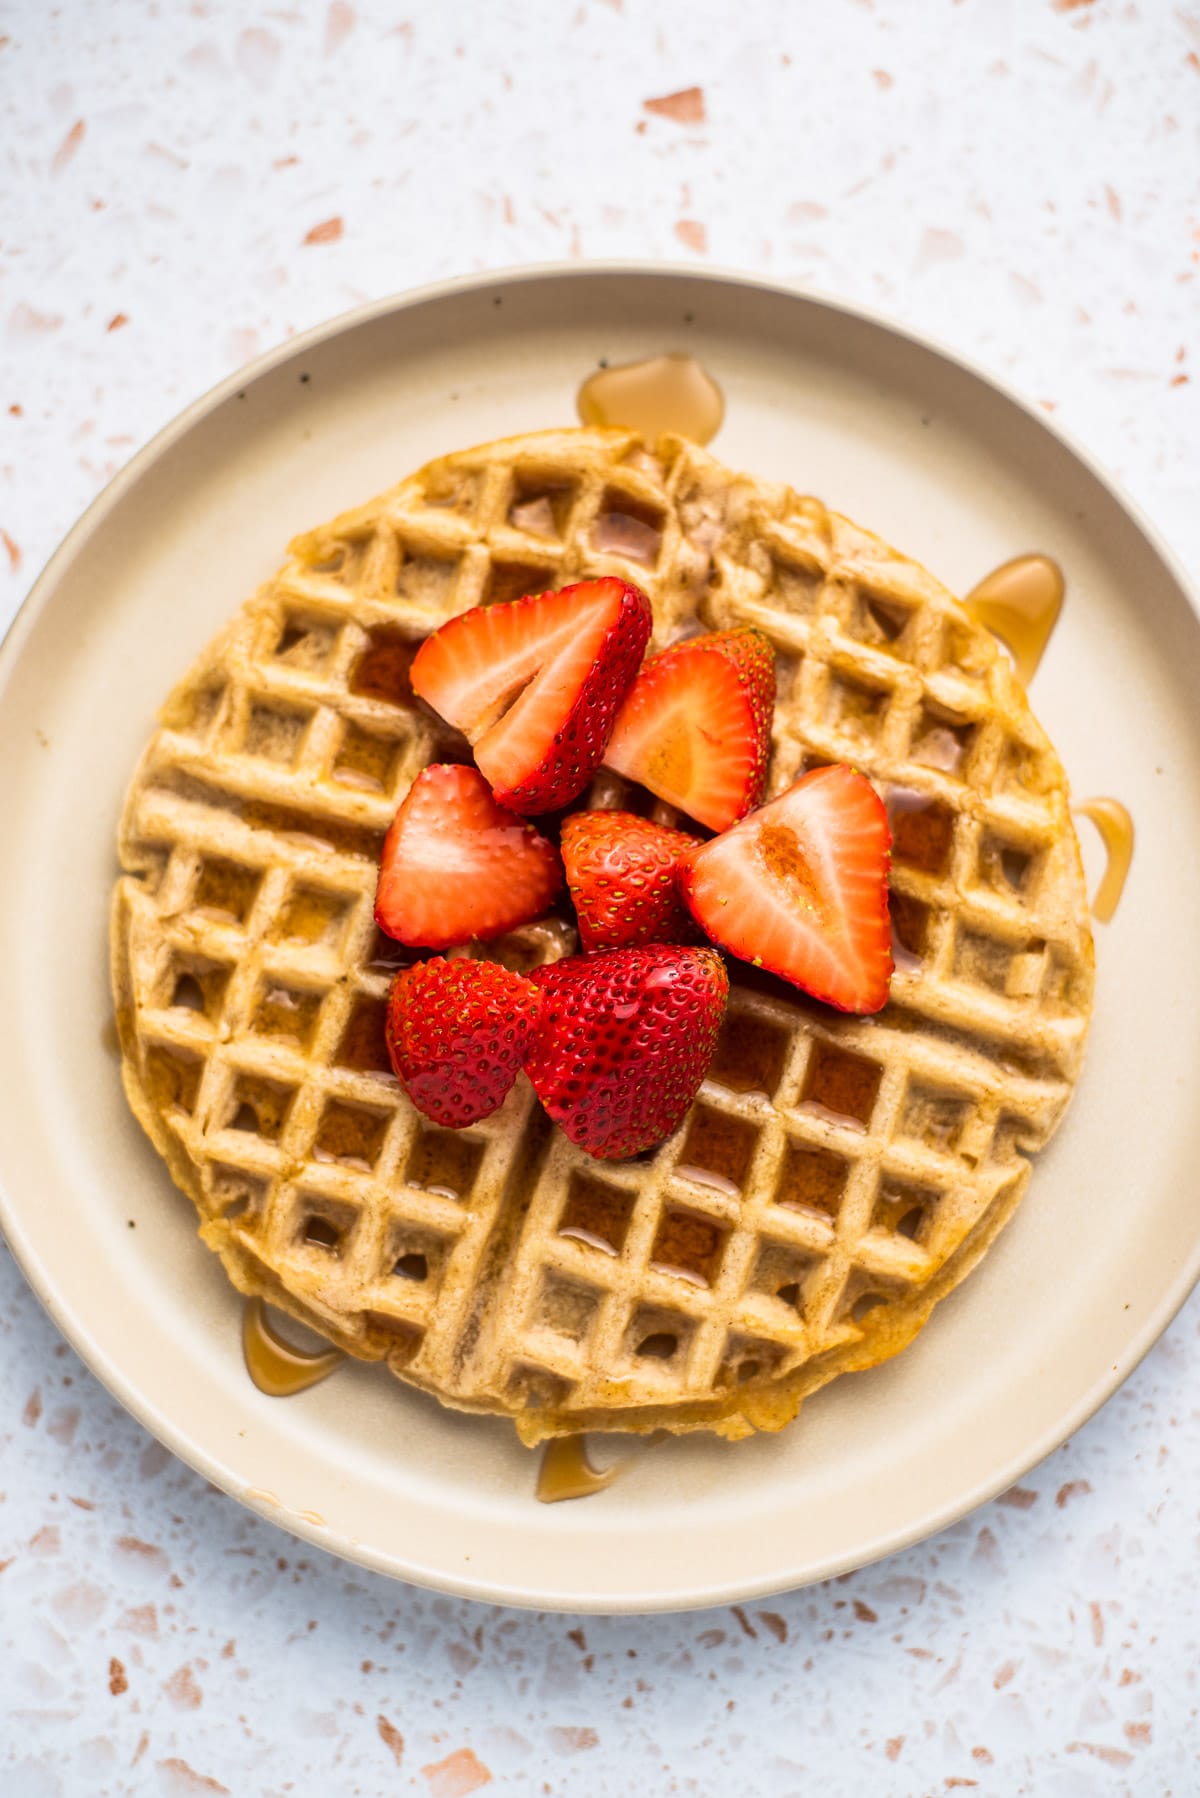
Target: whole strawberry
{"points": [[623, 1040], [621, 872], [458, 1033]]}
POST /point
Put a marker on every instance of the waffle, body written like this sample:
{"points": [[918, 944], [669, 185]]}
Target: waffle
{"points": [[835, 1177]]}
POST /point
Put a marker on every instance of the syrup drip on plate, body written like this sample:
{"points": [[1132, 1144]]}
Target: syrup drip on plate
{"points": [[1115, 825], [671, 393], [1019, 602], [274, 1365], [566, 1471]]}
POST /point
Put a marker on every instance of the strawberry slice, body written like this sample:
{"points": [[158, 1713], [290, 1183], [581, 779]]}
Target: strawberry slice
{"points": [[458, 1033], [623, 1041], [621, 872], [800, 888], [534, 684], [696, 728], [456, 865]]}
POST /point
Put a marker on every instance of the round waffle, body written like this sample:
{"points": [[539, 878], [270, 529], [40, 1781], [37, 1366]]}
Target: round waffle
{"points": [[835, 1177]]}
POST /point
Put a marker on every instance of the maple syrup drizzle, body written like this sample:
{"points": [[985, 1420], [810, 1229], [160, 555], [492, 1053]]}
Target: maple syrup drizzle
{"points": [[1019, 602], [1115, 825], [274, 1365], [663, 393], [566, 1472]]}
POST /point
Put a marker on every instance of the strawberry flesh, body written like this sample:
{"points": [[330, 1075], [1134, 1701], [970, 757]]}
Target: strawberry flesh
{"points": [[623, 1040], [535, 684], [621, 874], [696, 727], [457, 1033], [457, 866], [800, 888]]}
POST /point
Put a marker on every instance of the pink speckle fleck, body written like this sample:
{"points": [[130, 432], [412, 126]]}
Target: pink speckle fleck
{"points": [[460, 1773], [893, 1746], [882, 79], [692, 233], [80, 1604], [935, 248], [328, 231], [46, 1542], [339, 23], [25, 320], [116, 321], [258, 56], [140, 1620], [1112, 1757]]}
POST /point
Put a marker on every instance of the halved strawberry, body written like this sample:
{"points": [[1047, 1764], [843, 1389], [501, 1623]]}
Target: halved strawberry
{"points": [[696, 728], [621, 873], [456, 865], [800, 888], [535, 684], [458, 1033], [623, 1040]]}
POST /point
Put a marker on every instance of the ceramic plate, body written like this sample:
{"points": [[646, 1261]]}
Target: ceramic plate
{"points": [[938, 460]]}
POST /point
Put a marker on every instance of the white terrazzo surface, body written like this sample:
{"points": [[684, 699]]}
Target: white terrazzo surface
{"points": [[185, 184]]}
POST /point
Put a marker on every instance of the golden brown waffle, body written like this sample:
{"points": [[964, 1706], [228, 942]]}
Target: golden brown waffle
{"points": [[835, 1177]]}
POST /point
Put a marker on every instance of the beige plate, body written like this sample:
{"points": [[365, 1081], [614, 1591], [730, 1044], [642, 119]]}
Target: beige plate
{"points": [[937, 460]]}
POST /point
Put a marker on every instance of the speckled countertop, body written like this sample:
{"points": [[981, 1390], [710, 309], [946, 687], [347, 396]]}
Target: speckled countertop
{"points": [[186, 184]]}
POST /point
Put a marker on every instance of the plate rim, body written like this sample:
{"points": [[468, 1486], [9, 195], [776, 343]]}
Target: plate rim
{"points": [[124, 1388]]}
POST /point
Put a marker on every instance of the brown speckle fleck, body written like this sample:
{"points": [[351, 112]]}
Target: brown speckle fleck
{"points": [[183, 1781], [46, 1542], [573, 1741], [892, 1747], [117, 320], [864, 1613], [117, 1682], [182, 1689], [33, 1404], [390, 1736], [1072, 1489], [1021, 1498], [686, 107], [1112, 1757], [68, 147], [775, 1623], [882, 79], [328, 231], [145, 1551], [746, 1625]]}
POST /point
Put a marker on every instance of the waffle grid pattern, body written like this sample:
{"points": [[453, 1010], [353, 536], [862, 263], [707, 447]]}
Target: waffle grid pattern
{"points": [[835, 1175]]}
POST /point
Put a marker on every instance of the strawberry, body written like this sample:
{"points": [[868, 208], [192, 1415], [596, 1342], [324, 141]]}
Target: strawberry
{"points": [[457, 1033], [623, 1040], [535, 684], [621, 873], [800, 888], [696, 727], [456, 865]]}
